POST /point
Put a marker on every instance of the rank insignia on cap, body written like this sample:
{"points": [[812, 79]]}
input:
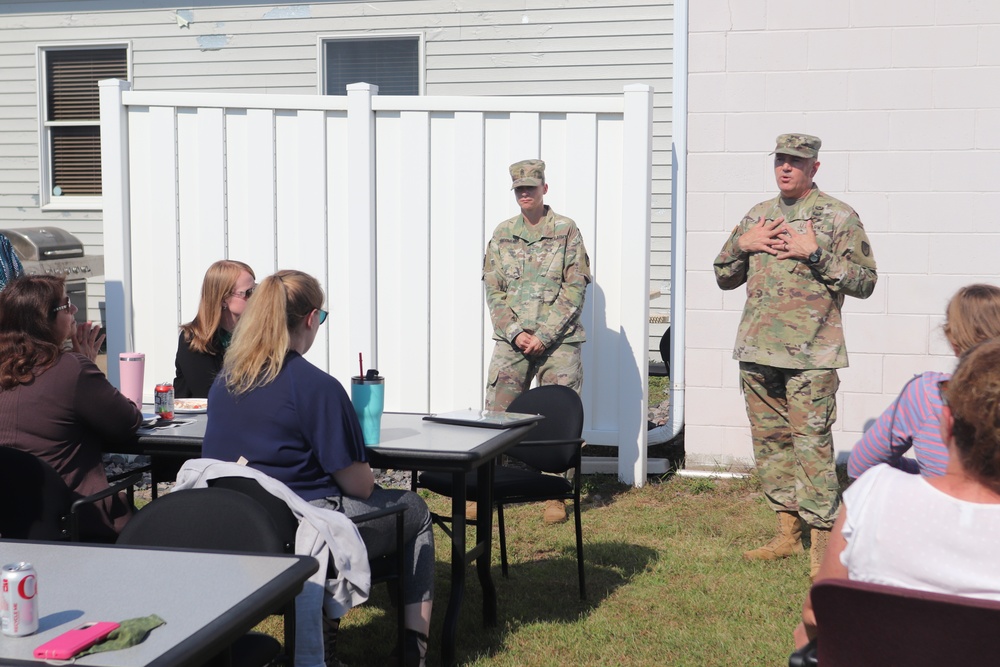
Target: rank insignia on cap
{"points": [[801, 145], [529, 173]]}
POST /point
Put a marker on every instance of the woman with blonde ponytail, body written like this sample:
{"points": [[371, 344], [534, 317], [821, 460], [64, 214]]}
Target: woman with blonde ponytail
{"points": [[295, 423], [256, 356]]}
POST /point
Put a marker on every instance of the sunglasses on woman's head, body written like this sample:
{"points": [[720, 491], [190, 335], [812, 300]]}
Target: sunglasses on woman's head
{"points": [[322, 315]]}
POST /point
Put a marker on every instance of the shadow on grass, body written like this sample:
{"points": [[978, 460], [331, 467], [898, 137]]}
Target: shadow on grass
{"points": [[539, 591], [599, 490]]}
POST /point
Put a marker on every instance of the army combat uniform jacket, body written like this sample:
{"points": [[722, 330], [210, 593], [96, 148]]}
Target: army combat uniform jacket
{"points": [[536, 279], [792, 315]]}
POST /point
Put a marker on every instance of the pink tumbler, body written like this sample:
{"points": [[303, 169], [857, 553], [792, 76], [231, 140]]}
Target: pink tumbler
{"points": [[130, 367]]}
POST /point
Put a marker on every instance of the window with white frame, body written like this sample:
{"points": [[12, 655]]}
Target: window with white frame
{"points": [[70, 115], [390, 62]]}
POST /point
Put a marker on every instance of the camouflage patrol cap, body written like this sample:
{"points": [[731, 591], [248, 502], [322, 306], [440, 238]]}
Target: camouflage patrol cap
{"points": [[802, 145], [527, 172]]}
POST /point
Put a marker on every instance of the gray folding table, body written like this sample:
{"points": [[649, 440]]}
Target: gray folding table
{"points": [[208, 600]]}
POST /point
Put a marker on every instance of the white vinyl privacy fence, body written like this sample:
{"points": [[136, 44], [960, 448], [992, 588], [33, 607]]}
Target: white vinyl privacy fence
{"points": [[389, 201]]}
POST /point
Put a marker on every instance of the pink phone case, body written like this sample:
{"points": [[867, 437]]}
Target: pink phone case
{"points": [[71, 642]]}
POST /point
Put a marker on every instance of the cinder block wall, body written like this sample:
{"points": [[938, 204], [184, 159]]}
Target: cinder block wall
{"points": [[904, 95]]}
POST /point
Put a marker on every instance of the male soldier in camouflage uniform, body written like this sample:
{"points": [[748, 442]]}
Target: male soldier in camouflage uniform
{"points": [[536, 272], [798, 254]]}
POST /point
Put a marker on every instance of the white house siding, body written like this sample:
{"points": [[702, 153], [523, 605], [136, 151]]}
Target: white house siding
{"points": [[904, 95], [472, 47]]}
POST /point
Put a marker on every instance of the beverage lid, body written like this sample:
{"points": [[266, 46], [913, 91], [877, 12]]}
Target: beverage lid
{"points": [[371, 377], [131, 356], [17, 567]]}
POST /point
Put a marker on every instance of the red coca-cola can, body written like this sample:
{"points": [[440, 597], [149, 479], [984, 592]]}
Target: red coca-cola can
{"points": [[163, 399], [19, 599]]}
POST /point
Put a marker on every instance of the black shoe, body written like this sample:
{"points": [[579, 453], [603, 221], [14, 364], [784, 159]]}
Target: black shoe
{"points": [[414, 651], [330, 628]]}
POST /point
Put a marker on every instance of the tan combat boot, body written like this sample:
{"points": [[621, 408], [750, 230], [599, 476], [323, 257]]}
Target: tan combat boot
{"points": [[470, 510], [788, 541], [820, 538], [555, 512]]}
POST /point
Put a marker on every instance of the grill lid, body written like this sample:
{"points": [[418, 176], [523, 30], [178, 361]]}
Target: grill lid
{"points": [[43, 243], [53, 251]]}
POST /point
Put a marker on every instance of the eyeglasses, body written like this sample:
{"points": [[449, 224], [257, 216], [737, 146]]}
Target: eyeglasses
{"points": [[65, 305], [244, 294], [943, 390], [322, 315]]}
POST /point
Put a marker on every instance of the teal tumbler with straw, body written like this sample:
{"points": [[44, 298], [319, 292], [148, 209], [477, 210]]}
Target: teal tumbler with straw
{"points": [[368, 397]]}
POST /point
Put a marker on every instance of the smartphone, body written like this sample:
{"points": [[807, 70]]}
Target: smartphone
{"points": [[71, 642]]}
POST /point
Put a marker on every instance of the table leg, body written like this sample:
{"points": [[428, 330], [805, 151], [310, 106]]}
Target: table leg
{"points": [[484, 545], [153, 484], [458, 565]]}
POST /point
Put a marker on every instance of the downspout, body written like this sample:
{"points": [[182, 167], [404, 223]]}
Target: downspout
{"points": [[678, 235]]}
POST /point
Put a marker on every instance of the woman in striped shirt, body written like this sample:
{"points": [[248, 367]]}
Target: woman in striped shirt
{"points": [[913, 419]]}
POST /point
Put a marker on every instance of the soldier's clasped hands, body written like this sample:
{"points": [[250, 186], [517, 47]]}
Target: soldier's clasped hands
{"points": [[529, 343], [795, 245], [765, 236], [776, 237]]}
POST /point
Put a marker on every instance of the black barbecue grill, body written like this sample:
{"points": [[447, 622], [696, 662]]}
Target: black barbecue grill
{"points": [[54, 251]]}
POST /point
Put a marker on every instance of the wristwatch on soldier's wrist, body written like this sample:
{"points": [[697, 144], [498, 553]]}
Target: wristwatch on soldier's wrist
{"points": [[814, 257]]}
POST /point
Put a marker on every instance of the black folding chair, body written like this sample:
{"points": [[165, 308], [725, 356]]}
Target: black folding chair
{"points": [[555, 448], [387, 568], [217, 520], [39, 506], [662, 368]]}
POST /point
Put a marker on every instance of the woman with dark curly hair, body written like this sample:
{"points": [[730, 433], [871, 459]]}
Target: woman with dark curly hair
{"points": [[56, 404], [938, 534]]}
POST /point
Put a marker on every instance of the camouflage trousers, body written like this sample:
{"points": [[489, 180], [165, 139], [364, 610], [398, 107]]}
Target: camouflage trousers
{"points": [[511, 372], [791, 413]]}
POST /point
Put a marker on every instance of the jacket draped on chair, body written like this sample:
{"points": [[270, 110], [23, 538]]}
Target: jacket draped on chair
{"points": [[322, 534]]}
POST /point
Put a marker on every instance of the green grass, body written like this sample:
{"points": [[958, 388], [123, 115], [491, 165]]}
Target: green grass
{"points": [[659, 390], [665, 582]]}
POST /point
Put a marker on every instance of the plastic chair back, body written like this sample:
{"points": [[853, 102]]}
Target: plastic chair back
{"points": [[388, 568], [555, 441], [35, 499], [561, 406], [216, 520], [665, 351], [210, 519], [283, 517], [870, 624]]}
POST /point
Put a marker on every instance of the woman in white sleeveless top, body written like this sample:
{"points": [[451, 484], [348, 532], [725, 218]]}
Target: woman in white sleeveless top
{"points": [[939, 534]]}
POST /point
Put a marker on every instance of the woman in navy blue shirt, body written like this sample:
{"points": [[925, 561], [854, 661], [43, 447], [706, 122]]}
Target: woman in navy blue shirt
{"points": [[295, 423]]}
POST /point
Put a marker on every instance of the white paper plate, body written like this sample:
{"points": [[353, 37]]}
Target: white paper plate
{"points": [[190, 406]]}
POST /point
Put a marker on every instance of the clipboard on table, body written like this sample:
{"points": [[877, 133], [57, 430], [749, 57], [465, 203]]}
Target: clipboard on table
{"points": [[483, 418]]}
